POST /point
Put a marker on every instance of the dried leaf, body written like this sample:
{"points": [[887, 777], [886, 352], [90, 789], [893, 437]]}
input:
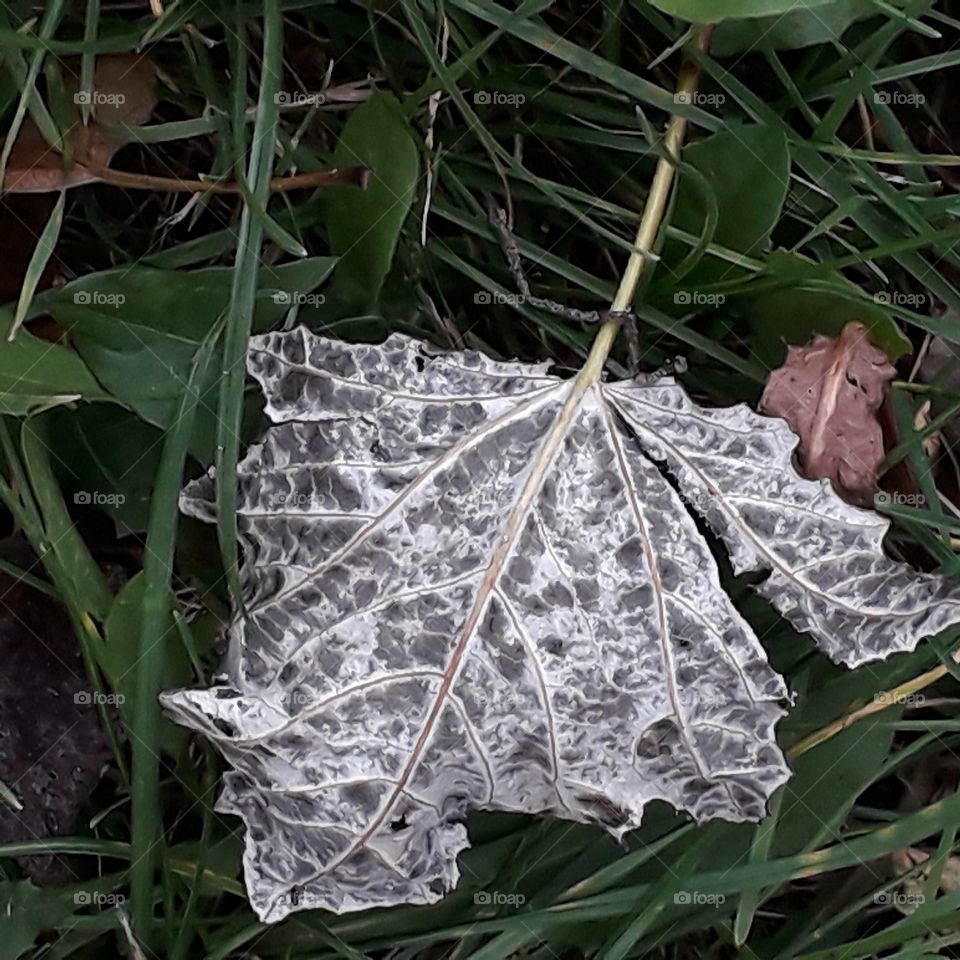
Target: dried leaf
{"points": [[472, 585], [123, 97], [829, 392]]}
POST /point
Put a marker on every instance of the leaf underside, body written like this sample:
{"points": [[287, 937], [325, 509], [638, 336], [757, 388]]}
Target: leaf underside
{"points": [[472, 585]]}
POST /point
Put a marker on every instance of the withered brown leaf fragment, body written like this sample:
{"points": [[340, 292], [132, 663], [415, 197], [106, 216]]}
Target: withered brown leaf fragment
{"points": [[829, 392], [122, 98]]}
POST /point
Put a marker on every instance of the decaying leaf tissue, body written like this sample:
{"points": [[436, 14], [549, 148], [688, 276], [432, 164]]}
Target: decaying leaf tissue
{"points": [[473, 585]]}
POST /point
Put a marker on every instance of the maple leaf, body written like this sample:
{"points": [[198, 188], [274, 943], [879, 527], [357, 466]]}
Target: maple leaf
{"points": [[472, 585]]}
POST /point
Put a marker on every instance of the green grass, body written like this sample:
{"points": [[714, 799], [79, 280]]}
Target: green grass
{"points": [[788, 219]]}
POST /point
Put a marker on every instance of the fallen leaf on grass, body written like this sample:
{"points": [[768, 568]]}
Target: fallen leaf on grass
{"points": [[123, 97], [829, 392], [472, 585]]}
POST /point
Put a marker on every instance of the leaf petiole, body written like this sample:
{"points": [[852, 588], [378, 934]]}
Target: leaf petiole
{"points": [[652, 217]]}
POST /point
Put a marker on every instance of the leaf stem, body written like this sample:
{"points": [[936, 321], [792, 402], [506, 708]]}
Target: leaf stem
{"points": [[347, 176], [653, 212]]}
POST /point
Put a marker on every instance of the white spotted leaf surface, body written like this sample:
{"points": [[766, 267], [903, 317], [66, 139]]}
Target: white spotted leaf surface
{"points": [[471, 585]]}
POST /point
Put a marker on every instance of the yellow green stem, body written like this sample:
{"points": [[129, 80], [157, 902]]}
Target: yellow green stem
{"points": [[880, 702], [652, 218]]}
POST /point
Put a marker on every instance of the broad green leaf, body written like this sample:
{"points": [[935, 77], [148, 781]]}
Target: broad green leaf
{"points": [[139, 328], [747, 169], [712, 11], [36, 375], [364, 225], [30, 911], [790, 31], [792, 315], [86, 580], [108, 457]]}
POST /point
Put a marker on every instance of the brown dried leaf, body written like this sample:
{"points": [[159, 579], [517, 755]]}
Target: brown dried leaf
{"points": [[124, 98], [829, 393]]}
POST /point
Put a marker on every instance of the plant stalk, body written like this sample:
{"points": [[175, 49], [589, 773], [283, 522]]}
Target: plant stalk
{"points": [[653, 212], [880, 702]]}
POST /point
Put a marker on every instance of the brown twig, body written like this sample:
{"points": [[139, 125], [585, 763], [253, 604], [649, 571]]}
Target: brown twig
{"points": [[82, 174]]}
